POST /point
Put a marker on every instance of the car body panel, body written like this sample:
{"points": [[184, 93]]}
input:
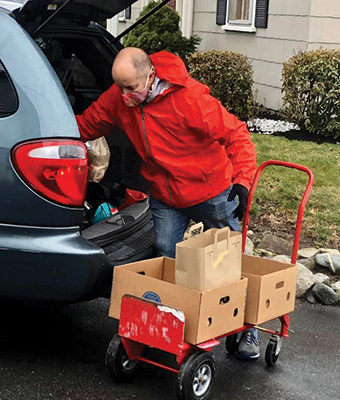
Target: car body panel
{"points": [[44, 112], [51, 265], [44, 109], [10, 5], [44, 256]]}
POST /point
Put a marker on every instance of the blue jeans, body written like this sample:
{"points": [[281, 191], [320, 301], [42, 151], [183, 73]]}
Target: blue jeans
{"points": [[171, 223]]}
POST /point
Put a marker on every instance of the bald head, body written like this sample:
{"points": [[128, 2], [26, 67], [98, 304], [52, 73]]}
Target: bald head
{"points": [[130, 67]]}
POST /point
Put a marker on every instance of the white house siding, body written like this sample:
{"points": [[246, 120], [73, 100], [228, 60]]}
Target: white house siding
{"points": [[324, 28], [135, 10], [267, 49], [293, 25]]}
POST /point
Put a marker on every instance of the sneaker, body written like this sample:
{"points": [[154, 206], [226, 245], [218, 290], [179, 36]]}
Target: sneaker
{"points": [[249, 346]]}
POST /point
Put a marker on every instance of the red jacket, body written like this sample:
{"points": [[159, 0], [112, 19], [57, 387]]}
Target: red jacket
{"points": [[192, 148]]}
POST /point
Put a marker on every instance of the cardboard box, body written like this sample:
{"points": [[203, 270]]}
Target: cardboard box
{"points": [[209, 259], [208, 314], [271, 288]]}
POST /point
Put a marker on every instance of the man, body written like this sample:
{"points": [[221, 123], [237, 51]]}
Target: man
{"points": [[195, 155]]}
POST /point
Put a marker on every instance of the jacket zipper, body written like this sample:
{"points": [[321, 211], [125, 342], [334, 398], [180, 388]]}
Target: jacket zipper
{"points": [[148, 150], [144, 131]]}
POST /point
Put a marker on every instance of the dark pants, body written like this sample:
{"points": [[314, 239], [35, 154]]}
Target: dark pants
{"points": [[171, 223]]}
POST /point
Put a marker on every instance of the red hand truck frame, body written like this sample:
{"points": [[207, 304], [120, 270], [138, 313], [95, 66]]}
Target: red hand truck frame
{"points": [[196, 365]]}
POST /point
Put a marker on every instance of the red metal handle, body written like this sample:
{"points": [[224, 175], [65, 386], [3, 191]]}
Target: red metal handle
{"points": [[300, 210]]}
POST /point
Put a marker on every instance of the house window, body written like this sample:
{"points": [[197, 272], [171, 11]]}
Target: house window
{"points": [[239, 11], [242, 15], [125, 14]]}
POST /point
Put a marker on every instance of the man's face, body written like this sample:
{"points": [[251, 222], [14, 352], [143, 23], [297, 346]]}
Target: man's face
{"points": [[129, 81]]}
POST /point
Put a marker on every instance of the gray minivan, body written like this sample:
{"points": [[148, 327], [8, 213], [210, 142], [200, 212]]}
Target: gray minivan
{"points": [[55, 59]]}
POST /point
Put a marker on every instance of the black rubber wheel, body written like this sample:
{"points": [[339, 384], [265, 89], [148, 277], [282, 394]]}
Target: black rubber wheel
{"points": [[195, 376], [119, 367], [231, 343], [272, 353]]}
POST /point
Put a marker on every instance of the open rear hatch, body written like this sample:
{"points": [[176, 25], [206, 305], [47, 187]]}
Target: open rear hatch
{"points": [[80, 11], [67, 27], [35, 15]]}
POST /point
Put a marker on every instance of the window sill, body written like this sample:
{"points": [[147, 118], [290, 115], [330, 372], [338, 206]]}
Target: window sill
{"points": [[239, 28]]}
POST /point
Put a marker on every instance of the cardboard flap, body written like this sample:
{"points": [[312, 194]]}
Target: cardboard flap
{"points": [[152, 268], [168, 270], [262, 266]]}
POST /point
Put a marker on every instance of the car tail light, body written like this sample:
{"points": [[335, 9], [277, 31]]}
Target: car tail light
{"points": [[56, 169]]}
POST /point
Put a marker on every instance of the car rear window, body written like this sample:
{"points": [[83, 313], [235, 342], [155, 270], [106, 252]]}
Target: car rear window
{"points": [[8, 95]]}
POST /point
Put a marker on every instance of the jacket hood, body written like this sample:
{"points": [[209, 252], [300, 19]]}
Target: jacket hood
{"points": [[170, 67]]}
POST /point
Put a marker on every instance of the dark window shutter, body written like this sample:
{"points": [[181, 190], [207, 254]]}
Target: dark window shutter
{"points": [[221, 12], [261, 16], [128, 12]]}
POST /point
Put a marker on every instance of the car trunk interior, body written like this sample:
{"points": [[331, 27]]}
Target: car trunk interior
{"points": [[82, 59]]}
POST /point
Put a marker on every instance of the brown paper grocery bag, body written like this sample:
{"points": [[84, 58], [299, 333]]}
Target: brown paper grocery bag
{"points": [[209, 259], [99, 158]]}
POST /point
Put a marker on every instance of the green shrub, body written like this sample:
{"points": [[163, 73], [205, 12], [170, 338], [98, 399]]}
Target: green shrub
{"points": [[161, 32], [229, 76], [311, 87]]}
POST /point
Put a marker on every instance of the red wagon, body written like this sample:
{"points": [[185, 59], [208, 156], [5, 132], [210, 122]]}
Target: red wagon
{"points": [[144, 323]]}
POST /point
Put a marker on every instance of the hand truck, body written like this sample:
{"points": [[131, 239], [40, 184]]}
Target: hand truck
{"points": [[165, 328]]}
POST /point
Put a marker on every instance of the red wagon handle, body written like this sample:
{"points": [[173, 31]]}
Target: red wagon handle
{"points": [[300, 210]]}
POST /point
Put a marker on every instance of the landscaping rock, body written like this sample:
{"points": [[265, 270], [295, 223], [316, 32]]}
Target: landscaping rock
{"points": [[275, 245], [336, 287], [324, 294], [249, 249], [250, 233], [321, 277], [264, 253], [269, 126], [330, 261], [308, 263], [305, 280], [282, 258], [310, 297], [329, 251], [308, 252]]}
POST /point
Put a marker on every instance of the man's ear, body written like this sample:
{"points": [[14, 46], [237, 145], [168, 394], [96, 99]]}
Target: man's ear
{"points": [[152, 76], [153, 72]]}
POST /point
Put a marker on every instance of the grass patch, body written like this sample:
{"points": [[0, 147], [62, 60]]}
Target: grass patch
{"points": [[280, 190]]}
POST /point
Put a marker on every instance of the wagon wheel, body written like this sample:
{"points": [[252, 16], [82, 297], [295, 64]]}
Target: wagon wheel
{"points": [[195, 376], [273, 350], [119, 366]]}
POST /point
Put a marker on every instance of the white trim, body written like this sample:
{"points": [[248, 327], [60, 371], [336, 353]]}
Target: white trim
{"points": [[187, 17], [179, 6], [112, 25], [241, 26]]}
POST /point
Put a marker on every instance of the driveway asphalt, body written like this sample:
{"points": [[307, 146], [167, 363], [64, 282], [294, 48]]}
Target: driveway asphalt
{"points": [[46, 354]]}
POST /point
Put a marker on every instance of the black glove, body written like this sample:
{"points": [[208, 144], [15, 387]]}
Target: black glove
{"points": [[242, 193]]}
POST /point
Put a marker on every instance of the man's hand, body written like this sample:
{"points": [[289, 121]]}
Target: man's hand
{"points": [[242, 193]]}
